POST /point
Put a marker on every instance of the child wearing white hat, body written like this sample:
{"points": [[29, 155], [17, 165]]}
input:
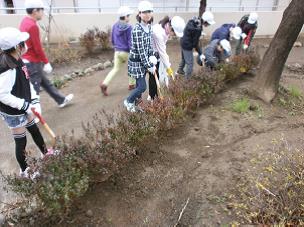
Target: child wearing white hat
{"points": [[17, 94]]}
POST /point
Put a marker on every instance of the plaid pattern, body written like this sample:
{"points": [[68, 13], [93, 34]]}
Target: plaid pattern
{"points": [[141, 50]]}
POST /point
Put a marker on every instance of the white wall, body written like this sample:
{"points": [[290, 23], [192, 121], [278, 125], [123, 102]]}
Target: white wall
{"points": [[72, 25]]}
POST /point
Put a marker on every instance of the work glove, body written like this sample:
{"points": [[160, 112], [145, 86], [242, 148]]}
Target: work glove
{"points": [[243, 35], [153, 60], [202, 57], [47, 68], [227, 60], [245, 46], [170, 72], [152, 69]]}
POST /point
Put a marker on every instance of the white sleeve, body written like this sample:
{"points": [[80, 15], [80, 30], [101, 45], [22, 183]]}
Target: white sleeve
{"points": [[7, 81], [33, 92], [160, 46]]}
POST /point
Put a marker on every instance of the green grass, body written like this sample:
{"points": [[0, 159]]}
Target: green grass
{"points": [[241, 105], [295, 92]]}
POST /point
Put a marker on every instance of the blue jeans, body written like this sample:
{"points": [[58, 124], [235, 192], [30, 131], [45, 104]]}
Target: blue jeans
{"points": [[141, 87], [186, 62]]}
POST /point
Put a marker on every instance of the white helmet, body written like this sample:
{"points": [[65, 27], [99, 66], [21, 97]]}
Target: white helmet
{"points": [[178, 24], [33, 4], [226, 45], [124, 11], [236, 32], [145, 6], [253, 17], [208, 17], [11, 37]]}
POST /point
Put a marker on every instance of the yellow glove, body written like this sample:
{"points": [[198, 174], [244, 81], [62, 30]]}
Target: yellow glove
{"points": [[170, 72]]}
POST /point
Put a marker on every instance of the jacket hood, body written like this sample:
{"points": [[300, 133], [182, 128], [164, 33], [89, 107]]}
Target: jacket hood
{"points": [[122, 26]]}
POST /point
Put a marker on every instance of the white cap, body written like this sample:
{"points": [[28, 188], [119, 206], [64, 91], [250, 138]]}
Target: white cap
{"points": [[145, 6], [33, 4], [236, 32], [178, 24], [253, 17], [208, 17], [11, 37], [124, 11], [226, 45]]}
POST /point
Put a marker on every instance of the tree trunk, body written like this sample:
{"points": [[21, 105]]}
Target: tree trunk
{"points": [[268, 76], [202, 8]]}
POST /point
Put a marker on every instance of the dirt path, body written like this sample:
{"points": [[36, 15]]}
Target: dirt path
{"points": [[202, 162], [197, 162]]}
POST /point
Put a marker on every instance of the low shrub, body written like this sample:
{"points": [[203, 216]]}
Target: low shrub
{"points": [[291, 99], [63, 53], [94, 37], [241, 105], [271, 192], [109, 143]]}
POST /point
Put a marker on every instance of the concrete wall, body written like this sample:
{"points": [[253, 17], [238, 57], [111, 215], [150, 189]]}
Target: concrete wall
{"points": [[68, 26]]}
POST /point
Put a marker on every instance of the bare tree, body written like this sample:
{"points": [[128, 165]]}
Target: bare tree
{"points": [[202, 8], [271, 68]]}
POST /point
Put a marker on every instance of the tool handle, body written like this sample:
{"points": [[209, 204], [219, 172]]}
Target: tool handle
{"points": [[38, 115], [158, 85], [43, 122]]}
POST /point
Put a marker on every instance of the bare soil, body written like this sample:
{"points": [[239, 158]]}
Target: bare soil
{"points": [[202, 161]]}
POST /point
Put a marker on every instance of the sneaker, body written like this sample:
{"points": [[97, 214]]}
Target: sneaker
{"points": [[130, 106], [26, 174], [104, 89], [131, 87], [180, 72], [66, 101], [50, 152], [149, 98]]}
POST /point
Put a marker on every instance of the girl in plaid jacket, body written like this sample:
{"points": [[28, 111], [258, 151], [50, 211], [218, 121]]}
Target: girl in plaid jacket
{"points": [[141, 59]]}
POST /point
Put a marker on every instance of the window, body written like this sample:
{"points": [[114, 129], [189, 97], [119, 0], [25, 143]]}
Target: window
{"points": [[9, 4]]}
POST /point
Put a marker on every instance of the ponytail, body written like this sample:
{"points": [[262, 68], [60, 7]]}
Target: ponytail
{"points": [[164, 21]]}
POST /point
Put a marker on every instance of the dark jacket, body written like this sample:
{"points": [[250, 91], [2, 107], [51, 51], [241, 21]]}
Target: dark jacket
{"points": [[222, 32], [248, 29], [192, 34], [16, 91]]}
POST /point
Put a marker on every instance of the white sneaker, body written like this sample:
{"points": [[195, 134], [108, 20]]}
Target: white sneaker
{"points": [[25, 174], [130, 106], [149, 98], [66, 101]]}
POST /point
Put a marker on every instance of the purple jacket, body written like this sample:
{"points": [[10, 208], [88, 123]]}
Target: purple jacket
{"points": [[121, 36]]}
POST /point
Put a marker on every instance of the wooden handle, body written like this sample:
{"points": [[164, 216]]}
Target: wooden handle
{"points": [[158, 86]]}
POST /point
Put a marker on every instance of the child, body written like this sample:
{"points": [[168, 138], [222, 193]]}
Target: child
{"points": [[217, 52], [190, 40], [17, 95], [141, 59], [121, 40], [226, 31], [161, 32], [35, 58], [249, 25]]}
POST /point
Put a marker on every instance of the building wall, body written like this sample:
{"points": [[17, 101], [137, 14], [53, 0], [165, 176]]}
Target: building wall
{"points": [[162, 5], [69, 26]]}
